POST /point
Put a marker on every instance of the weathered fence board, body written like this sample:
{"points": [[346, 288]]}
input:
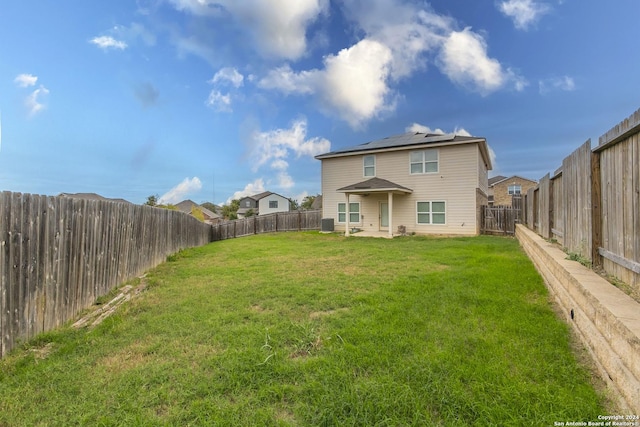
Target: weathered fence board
{"points": [[544, 213], [557, 229], [499, 220], [576, 181], [280, 221], [594, 202], [620, 207], [58, 254]]}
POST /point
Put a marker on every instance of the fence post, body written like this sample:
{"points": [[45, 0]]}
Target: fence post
{"points": [[276, 221], [299, 220], [596, 210]]}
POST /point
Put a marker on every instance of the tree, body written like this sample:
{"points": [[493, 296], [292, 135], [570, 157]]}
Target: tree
{"points": [[210, 206], [230, 211], [168, 206], [152, 200], [197, 213], [307, 202], [249, 213], [293, 205]]}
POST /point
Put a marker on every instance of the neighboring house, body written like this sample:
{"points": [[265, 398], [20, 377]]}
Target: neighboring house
{"points": [[492, 181], [187, 206], [91, 196], [263, 203], [415, 182], [317, 203], [502, 189]]}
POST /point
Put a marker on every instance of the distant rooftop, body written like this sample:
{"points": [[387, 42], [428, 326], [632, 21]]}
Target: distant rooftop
{"points": [[91, 196]]}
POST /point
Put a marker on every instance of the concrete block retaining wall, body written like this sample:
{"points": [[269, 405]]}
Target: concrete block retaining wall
{"points": [[606, 319]]}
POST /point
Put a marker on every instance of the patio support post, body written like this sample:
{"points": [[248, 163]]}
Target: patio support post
{"points": [[346, 230], [390, 214]]}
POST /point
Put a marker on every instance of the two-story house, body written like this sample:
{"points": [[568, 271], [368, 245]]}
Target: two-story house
{"points": [[415, 183], [502, 189], [263, 203]]}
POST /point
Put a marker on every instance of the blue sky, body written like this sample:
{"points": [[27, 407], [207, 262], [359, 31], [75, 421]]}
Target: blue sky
{"points": [[214, 99]]}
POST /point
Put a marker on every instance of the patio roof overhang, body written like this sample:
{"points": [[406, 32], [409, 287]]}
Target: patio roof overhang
{"points": [[375, 185]]}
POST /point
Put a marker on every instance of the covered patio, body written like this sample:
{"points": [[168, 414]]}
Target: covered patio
{"points": [[375, 186]]}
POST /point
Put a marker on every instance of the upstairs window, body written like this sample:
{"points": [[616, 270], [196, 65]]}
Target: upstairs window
{"points": [[424, 161], [247, 204], [515, 189], [273, 204], [369, 164]]}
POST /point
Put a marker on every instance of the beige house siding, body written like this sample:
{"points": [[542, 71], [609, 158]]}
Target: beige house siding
{"points": [[483, 178], [455, 183], [501, 196]]}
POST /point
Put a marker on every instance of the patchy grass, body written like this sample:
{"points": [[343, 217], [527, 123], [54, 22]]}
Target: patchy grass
{"points": [[308, 329]]}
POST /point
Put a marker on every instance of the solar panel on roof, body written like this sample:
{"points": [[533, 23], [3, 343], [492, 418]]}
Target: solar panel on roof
{"points": [[401, 140]]}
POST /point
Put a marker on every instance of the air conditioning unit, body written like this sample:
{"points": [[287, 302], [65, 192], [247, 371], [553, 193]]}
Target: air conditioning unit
{"points": [[327, 225]]}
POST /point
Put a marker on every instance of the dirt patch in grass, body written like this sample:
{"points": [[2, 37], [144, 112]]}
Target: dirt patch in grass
{"points": [[324, 313], [286, 416], [42, 352], [131, 357]]}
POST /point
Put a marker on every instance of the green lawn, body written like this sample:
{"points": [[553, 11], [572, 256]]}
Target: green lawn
{"points": [[310, 329]]}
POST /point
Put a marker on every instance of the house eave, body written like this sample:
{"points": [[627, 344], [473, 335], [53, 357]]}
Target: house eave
{"points": [[367, 191]]}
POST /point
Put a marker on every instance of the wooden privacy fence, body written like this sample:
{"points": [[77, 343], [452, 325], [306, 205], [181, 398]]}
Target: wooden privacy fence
{"points": [[591, 205], [275, 222], [499, 220], [58, 254]]}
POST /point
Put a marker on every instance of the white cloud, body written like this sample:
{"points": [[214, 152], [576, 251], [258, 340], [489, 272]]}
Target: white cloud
{"points": [[278, 27], [288, 81], [250, 189], [461, 132], [355, 82], [224, 77], [492, 157], [407, 30], [25, 80], [279, 164], [352, 85], [274, 147], [219, 102], [133, 32], [524, 13], [228, 75], [285, 181], [399, 39], [180, 191], [300, 197], [465, 61], [33, 102], [108, 42], [564, 83], [416, 127]]}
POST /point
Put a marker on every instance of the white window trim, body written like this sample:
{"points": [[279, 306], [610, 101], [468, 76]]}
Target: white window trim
{"points": [[424, 162], [431, 202], [350, 213], [511, 193], [364, 167]]}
